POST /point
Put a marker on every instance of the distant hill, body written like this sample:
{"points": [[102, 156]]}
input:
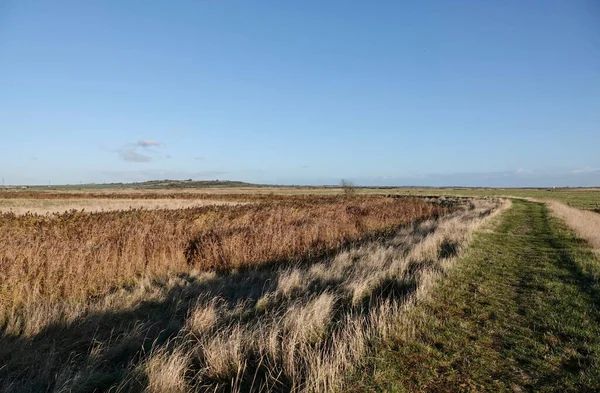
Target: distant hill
{"points": [[190, 184], [156, 184]]}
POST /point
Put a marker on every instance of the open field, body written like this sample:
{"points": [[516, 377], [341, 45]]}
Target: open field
{"points": [[146, 185], [584, 198], [297, 326], [293, 290], [247, 191], [54, 205]]}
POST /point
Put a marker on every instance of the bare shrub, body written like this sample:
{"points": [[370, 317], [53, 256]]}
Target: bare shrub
{"points": [[348, 187]]}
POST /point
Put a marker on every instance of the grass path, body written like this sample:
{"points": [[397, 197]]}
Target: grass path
{"points": [[520, 312]]}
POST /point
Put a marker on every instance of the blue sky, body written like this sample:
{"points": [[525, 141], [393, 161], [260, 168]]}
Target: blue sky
{"points": [[483, 93]]}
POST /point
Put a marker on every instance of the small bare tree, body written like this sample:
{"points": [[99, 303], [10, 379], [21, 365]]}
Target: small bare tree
{"points": [[348, 187]]}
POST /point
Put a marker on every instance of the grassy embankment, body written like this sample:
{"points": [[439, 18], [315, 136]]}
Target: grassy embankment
{"points": [[583, 198], [520, 312]]}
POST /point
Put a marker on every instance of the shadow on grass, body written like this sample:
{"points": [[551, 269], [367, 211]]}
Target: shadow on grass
{"points": [[573, 340], [564, 248], [108, 342], [100, 348]]}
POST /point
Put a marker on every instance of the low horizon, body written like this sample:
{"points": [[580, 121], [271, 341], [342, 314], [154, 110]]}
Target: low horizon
{"points": [[242, 183]]}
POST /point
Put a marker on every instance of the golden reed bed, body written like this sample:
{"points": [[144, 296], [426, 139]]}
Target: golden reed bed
{"points": [[299, 327], [76, 255]]}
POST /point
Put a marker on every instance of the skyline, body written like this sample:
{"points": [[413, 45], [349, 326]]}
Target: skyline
{"points": [[586, 177], [413, 93]]}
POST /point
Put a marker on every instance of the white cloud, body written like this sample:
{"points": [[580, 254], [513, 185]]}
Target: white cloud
{"points": [[524, 171], [140, 151], [148, 143], [130, 155], [585, 170]]}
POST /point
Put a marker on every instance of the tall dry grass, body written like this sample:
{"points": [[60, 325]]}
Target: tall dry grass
{"points": [[48, 206], [585, 223], [318, 322], [72, 256], [296, 328], [267, 195]]}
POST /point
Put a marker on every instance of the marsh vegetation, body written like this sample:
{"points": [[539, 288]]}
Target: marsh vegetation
{"points": [[280, 295]]}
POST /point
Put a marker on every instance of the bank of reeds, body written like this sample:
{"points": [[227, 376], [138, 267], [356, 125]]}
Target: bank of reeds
{"points": [[72, 256], [299, 328]]}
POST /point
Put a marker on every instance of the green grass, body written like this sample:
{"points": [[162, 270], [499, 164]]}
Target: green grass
{"points": [[584, 198], [519, 312]]}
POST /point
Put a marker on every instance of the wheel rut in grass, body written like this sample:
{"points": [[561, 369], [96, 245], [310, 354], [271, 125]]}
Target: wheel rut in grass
{"points": [[520, 312]]}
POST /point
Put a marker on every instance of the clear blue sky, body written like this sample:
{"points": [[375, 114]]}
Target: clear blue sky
{"points": [[500, 93]]}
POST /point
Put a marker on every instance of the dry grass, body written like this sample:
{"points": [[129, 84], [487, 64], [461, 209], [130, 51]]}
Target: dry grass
{"points": [[314, 328], [288, 328], [201, 192], [22, 206], [261, 194], [72, 256], [584, 222], [166, 372]]}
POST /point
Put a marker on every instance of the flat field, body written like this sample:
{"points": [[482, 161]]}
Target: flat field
{"points": [[583, 198], [55, 205], [298, 290]]}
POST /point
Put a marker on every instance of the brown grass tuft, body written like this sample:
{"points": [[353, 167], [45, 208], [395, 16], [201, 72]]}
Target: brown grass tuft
{"points": [[166, 372], [585, 223]]}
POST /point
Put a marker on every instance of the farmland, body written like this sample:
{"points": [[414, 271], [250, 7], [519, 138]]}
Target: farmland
{"points": [[55, 205], [285, 290], [583, 198]]}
